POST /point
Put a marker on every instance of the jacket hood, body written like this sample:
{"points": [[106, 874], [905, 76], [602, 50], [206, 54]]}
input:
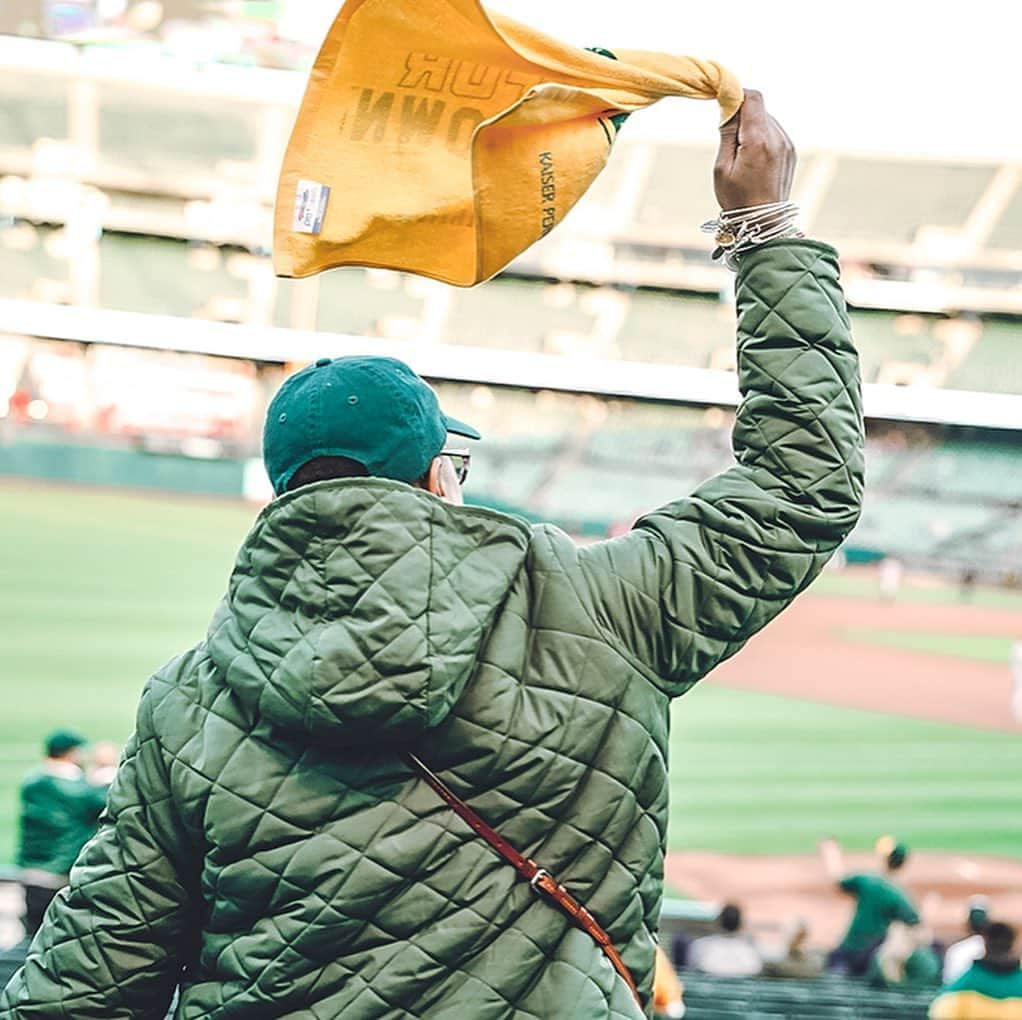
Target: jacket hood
{"points": [[357, 608]]}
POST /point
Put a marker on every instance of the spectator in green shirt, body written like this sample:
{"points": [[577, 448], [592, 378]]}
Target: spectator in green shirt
{"points": [[879, 901], [60, 811], [991, 989]]}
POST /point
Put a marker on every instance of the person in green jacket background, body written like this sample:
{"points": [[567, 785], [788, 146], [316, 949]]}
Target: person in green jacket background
{"points": [[991, 989], [879, 902], [60, 811], [271, 851]]}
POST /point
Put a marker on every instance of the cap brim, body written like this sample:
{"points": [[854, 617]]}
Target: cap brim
{"points": [[459, 428]]}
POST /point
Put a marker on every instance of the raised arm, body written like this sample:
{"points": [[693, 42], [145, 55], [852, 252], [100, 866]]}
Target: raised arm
{"points": [[114, 942], [697, 578], [833, 860]]}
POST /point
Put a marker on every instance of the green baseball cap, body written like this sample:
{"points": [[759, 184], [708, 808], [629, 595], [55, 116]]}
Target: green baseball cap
{"points": [[898, 855], [60, 742], [376, 411]]}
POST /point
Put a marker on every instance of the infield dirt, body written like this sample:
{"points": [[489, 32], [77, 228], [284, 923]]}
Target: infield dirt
{"points": [[772, 890], [802, 654]]}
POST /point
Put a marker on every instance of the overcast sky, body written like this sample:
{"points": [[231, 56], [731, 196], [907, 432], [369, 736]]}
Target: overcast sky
{"points": [[918, 76], [910, 76]]}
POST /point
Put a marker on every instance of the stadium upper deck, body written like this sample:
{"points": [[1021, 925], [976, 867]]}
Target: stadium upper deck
{"points": [[194, 152]]}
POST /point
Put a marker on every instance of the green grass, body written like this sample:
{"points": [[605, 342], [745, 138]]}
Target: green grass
{"points": [[974, 647], [861, 583], [98, 589], [756, 773]]}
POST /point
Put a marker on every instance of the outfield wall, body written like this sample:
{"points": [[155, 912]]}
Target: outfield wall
{"points": [[126, 467]]}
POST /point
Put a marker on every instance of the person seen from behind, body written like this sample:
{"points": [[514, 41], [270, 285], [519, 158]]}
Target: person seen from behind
{"points": [[879, 901], [288, 834], [60, 811], [991, 989], [961, 955], [731, 953]]}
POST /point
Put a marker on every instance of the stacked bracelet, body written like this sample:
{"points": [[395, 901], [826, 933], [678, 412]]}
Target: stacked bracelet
{"points": [[737, 231]]}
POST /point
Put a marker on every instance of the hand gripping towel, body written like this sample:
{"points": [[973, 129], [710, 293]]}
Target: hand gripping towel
{"points": [[442, 140]]}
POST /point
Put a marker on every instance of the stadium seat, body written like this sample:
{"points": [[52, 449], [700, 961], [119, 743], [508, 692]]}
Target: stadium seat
{"points": [[164, 277], [25, 260], [679, 189], [31, 107], [517, 315], [888, 337], [1007, 233], [889, 200], [367, 303], [161, 134], [670, 327], [915, 526], [969, 471], [993, 364]]}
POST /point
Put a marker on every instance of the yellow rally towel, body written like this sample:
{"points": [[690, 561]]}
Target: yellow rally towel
{"points": [[442, 140]]}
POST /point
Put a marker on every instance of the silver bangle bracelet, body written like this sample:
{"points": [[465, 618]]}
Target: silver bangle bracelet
{"points": [[737, 231]]}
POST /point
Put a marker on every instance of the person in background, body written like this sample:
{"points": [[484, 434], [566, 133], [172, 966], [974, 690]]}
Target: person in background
{"points": [[60, 812], [963, 954], [891, 573], [878, 902], [905, 959], [730, 954], [103, 764], [991, 989], [798, 960]]}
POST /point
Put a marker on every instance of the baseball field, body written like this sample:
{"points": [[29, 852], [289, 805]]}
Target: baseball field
{"points": [[849, 716]]}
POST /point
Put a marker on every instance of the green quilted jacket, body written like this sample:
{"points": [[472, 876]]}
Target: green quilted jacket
{"points": [[266, 847]]}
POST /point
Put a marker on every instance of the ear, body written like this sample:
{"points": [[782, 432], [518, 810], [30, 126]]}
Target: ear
{"points": [[435, 478]]}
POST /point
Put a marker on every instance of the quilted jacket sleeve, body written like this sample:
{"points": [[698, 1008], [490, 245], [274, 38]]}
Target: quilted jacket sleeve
{"points": [[114, 941], [696, 579]]}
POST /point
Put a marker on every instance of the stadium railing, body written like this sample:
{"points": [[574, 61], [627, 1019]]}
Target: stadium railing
{"points": [[824, 998]]}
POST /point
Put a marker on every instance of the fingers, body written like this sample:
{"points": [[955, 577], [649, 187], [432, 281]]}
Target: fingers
{"points": [[755, 164], [754, 121], [728, 142], [790, 154]]}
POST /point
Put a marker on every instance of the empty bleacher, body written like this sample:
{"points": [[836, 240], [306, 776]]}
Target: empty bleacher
{"points": [[995, 363], [520, 315], [965, 471], [676, 328], [163, 135], [170, 277], [956, 502], [32, 106], [679, 189], [25, 261], [904, 342], [890, 200], [367, 303], [916, 527], [167, 278], [1007, 232]]}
